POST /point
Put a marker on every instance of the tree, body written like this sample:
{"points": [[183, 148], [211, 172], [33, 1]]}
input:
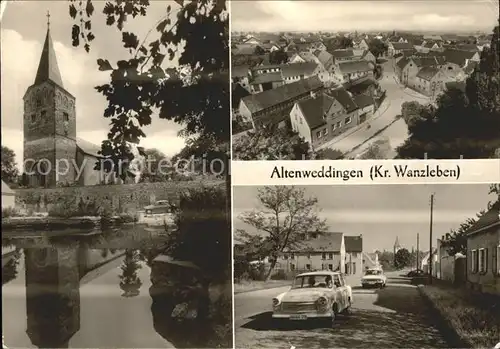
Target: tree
{"points": [[194, 94], [10, 173], [377, 150], [129, 281], [386, 259], [377, 47], [402, 259], [278, 57], [328, 154], [346, 42], [284, 216], [155, 167], [271, 143]]}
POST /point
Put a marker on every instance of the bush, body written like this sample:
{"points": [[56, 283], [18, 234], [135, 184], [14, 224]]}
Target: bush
{"points": [[8, 212], [203, 234], [280, 275], [71, 206], [222, 329]]}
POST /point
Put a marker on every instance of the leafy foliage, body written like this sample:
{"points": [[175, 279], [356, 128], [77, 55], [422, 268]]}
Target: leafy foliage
{"points": [[72, 206], [377, 150], [402, 258], [194, 94], [130, 283], [204, 232], [278, 57], [328, 154], [461, 124], [271, 144], [10, 173], [285, 215], [377, 47]]}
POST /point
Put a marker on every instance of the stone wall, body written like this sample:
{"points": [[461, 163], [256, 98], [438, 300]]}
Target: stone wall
{"points": [[119, 198]]}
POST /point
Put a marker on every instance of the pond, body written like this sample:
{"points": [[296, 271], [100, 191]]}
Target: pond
{"points": [[86, 289]]}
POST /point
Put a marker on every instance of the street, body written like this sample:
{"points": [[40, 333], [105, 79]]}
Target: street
{"points": [[392, 317], [383, 124]]}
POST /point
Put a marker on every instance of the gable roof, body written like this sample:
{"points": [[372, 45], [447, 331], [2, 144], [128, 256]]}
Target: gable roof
{"points": [[427, 73], [428, 61], [327, 241], [467, 47], [88, 147], [298, 69], [354, 67], [244, 49], [363, 101], [403, 62], [458, 57], [344, 98], [266, 77], [342, 53], [240, 71], [402, 46], [459, 85], [263, 100], [325, 58], [489, 219], [353, 243], [314, 109], [6, 189]]}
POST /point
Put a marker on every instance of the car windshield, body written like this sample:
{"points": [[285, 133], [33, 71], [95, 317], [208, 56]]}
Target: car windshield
{"points": [[373, 272], [313, 281]]}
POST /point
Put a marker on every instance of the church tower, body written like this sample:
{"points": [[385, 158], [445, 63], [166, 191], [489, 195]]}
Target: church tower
{"points": [[397, 246], [49, 124]]}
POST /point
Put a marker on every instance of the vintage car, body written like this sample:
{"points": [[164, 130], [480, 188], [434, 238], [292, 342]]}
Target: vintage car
{"points": [[161, 207], [374, 277], [314, 295]]}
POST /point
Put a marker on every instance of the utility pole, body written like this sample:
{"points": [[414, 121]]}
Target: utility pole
{"points": [[430, 241], [418, 249]]}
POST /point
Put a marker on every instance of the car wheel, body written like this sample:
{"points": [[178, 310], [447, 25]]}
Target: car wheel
{"points": [[334, 314]]}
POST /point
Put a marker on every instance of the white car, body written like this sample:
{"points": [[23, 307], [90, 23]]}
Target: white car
{"points": [[374, 278], [319, 294]]}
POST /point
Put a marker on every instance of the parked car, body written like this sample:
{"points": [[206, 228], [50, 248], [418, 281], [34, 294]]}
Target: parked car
{"points": [[314, 295], [415, 273], [161, 208], [374, 278]]}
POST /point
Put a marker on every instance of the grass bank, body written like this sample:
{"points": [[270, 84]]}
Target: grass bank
{"points": [[475, 318], [248, 286]]}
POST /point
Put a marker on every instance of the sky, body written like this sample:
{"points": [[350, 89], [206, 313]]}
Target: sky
{"points": [[383, 212], [310, 16], [23, 29]]}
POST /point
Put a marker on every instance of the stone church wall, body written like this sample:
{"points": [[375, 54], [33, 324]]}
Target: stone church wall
{"points": [[119, 198]]}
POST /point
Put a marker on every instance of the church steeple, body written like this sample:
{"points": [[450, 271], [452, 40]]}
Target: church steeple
{"points": [[47, 67]]}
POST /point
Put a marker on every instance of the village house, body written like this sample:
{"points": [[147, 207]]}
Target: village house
{"points": [[362, 44], [324, 116], [325, 251], [370, 260], [8, 196], [429, 81], [240, 75], [408, 68], [267, 77], [266, 39], [429, 46], [354, 255], [395, 48], [273, 106], [350, 73], [322, 58], [397, 39], [483, 252]]}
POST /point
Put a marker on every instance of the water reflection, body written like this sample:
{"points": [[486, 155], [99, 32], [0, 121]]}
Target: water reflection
{"points": [[88, 289]]}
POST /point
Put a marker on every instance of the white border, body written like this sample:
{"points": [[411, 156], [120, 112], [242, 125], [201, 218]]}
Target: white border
{"points": [[306, 172]]}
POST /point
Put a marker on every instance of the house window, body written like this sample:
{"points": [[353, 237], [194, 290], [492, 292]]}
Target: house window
{"points": [[348, 120], [308, 266], [323, 256], [330, 256], [483, 260], [33, 117], [339, 124], [292, 256], [474, 261], [333, 127], [330, 266], [325, 132], [318, 134], [43, 114], [285, 256], [38, 102]]}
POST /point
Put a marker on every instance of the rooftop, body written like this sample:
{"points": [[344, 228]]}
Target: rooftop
{"points": [[427, 73], [354, 67], [344, 98], [489, 219], [314, 109], [353, 243]]}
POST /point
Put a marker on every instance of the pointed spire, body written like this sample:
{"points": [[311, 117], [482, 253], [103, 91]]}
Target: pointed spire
{"points": [[48, 68], [396, 243]]}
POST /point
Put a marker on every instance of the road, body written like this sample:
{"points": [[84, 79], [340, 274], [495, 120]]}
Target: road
{"points": [[392, 317], [384, 119]]}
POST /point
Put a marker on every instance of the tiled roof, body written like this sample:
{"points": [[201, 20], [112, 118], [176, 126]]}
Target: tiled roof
{"points": [[325, 58], [491, 217], [6, 189], [361, 86], [240, 71], [48, 68], [88, 147], [427, 73], [324, 242], [343, 97], [308, 56], [298, 69], [458, 57], [417, 42], [403, 62], [244, 49], [429, 44], [467, 47], [266, 99], [342, 53], [402, 46], [314, 109], [354, 67], [353, 243], [363, 101], [268, 37], [428, 61], [266, 77]]}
